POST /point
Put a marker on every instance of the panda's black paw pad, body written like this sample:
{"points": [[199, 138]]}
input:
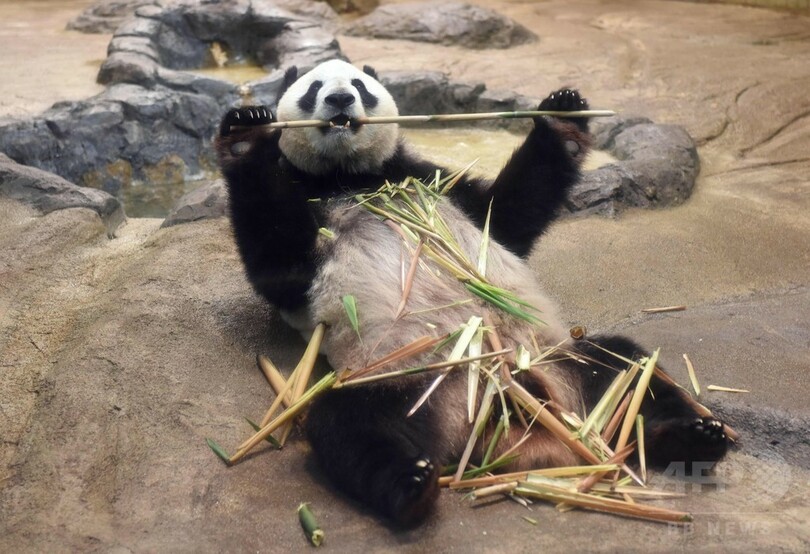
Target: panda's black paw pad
{"points": [[414, 491], [248, 116], [566, 100]]}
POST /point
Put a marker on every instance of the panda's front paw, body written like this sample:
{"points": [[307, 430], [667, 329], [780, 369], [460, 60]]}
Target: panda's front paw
{"points": [[247, 116], [567, 100]]}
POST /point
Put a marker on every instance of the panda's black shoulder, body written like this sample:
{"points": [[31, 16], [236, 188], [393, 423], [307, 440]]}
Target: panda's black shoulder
{"points": [[406, 163]]}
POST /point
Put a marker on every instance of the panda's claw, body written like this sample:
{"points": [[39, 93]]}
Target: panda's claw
{"points": [[566, 100], [246, 116]]}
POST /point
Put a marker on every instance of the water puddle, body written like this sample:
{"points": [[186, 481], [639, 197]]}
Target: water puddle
{"points": [[452, 148], [455, 148]]}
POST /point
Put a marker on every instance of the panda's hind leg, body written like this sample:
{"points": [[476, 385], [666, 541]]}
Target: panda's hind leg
{"points": [[674, 431], [372, 452]]}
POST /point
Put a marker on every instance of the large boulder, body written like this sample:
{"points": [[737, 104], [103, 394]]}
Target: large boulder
{"points": [[125, 134], [46, 193], [451, 23], [657, 165], [159, 44], [208, 201], [105, 15]]}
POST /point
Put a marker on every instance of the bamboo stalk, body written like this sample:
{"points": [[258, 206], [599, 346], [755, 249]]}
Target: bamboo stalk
{"points": [[306, 365], [642, 453], [617, 459], [663, 309], [611, 427], [440, 118], [416, 347], [718, 388], [413, 370], [478, 426], [551, 423], [287, 415], [554, 493], [273, 376], [635, 404], [692, 375], [565, 471], [275, 405], [494, 489]]}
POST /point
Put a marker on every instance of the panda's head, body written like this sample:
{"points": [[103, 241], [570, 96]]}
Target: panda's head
{"points": [[340, 93]]}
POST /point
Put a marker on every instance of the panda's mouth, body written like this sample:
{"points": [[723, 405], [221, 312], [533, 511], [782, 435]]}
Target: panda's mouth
{"points": [[341, 122]]}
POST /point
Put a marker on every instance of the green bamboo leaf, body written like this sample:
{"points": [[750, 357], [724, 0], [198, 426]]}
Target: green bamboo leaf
{"points": [[482, 251], [350, 305], [488, 468], [496, 436], [270, 439], [500, 303], [473, 373], [219, 451]]}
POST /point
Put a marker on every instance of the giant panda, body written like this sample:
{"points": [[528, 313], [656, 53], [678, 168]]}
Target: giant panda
{"points": [[286, 185]]}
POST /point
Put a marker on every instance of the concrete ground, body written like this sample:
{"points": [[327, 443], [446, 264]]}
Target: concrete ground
{"points": [[119, 356]]}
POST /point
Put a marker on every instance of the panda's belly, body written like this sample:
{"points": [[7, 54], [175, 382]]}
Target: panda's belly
{"points": [[368, 260]]}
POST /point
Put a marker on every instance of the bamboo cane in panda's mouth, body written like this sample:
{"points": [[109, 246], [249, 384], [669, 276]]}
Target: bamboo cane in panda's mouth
{"points": [[435, 118]]}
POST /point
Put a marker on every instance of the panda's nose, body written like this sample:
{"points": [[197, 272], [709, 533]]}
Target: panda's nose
{"points": [[340, 99]]}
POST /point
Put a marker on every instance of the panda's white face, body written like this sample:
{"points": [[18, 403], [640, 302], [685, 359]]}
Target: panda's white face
{"points": [[340, 93]]}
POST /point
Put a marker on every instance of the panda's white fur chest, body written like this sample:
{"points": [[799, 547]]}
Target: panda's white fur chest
{"points": [[368, 259]]}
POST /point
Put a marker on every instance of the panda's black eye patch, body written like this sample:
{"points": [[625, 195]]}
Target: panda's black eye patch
{"points": [[307, 102], [369, 100]]}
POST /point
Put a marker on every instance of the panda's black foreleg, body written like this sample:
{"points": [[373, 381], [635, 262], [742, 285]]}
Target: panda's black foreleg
{"points": [[368, 448], [274, 225], [534, 183], [674, 431]]}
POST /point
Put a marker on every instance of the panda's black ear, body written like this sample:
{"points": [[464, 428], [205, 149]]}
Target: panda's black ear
{"points": [[371, 72], [290, 76]]}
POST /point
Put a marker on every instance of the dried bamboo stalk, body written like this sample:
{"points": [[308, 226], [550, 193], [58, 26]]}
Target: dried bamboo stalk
{"points": [[413, 370], [610, 428], [550, 422], [663, 309], [274, 377], [558, 494], [564, 471], [287, 415], [617, 459], [494, 489], [303, 372], [416, 347], [718, 388], [635, 403], [692, 375]]}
